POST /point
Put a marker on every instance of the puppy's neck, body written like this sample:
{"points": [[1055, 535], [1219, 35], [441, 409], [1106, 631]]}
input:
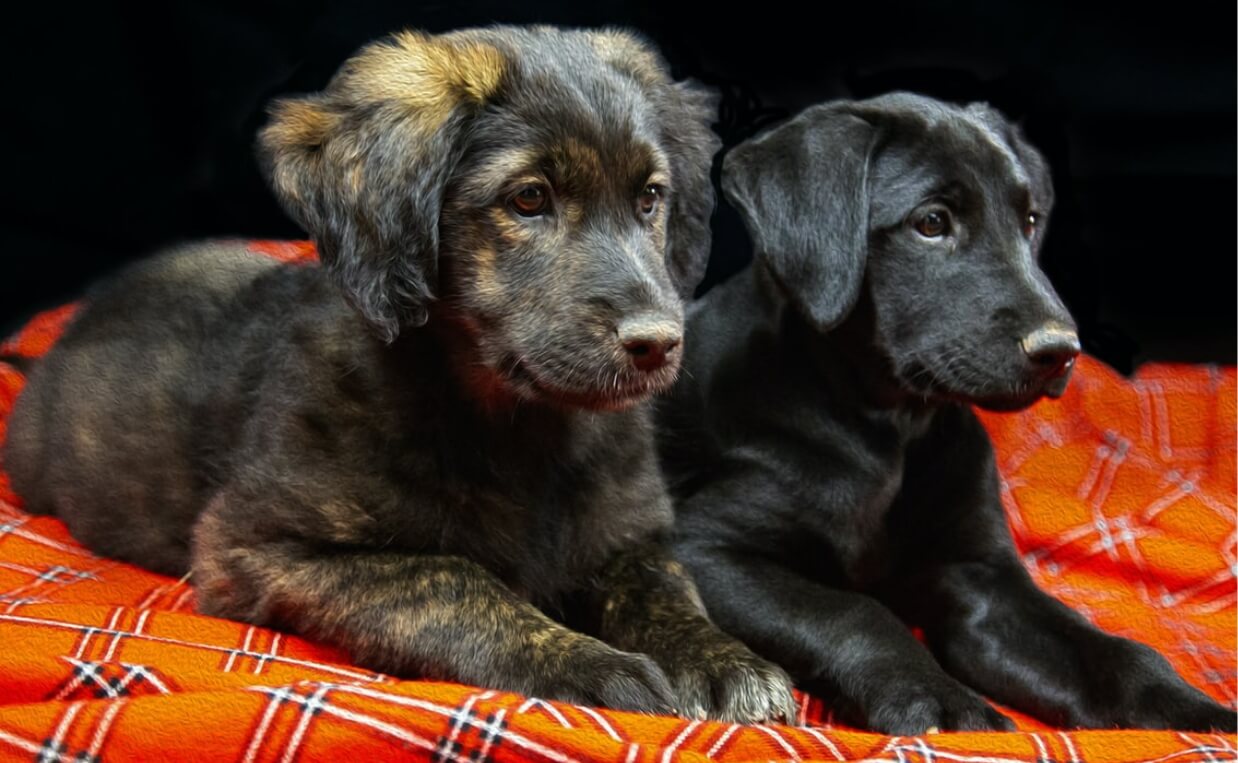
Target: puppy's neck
{"points": [[847, 359]]}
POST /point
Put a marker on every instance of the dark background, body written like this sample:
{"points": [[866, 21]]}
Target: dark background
{"points": [[129, 127]]}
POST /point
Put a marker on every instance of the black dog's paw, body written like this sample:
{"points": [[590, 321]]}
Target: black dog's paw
{"points": [[1136, 687], [722, 679], [596, 674], [1173, 704], [909, 708], [1170, 710]]}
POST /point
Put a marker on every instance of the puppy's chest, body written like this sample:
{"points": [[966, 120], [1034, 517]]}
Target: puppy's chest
{"points": [[856, 502], [541, 523]]}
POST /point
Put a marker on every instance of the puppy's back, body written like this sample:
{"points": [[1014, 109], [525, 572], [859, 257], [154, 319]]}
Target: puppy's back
{"points": [[101, 434]]}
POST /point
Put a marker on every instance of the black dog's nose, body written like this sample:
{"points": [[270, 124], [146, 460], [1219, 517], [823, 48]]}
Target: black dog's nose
{"points": [[650, 344], [1052, 348]]}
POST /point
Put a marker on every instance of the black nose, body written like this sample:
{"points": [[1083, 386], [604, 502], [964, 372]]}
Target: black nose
{"points": [[1052, 349], [650, 344]]}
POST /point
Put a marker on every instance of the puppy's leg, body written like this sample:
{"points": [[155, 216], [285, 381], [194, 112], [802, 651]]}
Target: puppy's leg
{"points": [[989, 624], [991, 627], [845, 644], [645, 602], [418, 615]]}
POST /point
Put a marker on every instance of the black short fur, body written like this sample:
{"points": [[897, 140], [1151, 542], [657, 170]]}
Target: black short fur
{"points": [[832, 482], [418, 449]]}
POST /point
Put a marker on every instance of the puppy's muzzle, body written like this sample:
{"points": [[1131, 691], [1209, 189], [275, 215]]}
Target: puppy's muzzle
{"points": [[651, 341], [1051, 351]]}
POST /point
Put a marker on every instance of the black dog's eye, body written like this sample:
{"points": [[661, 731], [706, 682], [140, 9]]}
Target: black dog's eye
{"points": [[530, 201], [1030, 223], [649, 198], [933, 224]]}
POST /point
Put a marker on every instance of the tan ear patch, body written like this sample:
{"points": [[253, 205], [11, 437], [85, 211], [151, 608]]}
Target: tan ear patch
{"points": [[298, 128], [299, 122], [629, 54], [428, 75]]}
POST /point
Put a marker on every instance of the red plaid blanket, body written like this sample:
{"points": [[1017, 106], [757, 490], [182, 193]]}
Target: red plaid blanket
{"points": [[1121, 497]]}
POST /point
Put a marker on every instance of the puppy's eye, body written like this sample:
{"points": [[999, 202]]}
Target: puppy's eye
{"points": [[648, 200], [933, 224], [530, 201], [1030, 222]]}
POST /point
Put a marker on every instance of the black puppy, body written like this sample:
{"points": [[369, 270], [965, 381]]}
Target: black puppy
{"points": [[417, 449], [832, 483]]}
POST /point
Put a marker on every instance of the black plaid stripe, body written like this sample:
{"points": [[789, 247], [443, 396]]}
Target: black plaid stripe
{"points": [[51, 752], [490, 733], [469, 730], [450, 745], [108, 680], [10, 526], [58, 573]]}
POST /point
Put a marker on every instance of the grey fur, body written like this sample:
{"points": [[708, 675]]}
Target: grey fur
{"points": [[424, 448]]}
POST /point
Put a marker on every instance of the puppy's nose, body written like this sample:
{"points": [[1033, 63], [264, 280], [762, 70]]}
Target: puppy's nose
{"points": [[1052, 348], [650, 343]]}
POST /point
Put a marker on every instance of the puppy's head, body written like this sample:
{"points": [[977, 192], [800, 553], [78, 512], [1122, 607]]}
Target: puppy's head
{"points": [[543, 193], [934, 215]]}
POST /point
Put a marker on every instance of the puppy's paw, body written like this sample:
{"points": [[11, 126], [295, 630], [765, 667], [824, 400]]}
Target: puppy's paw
{"points": [[723, 680], [908, 708], [1175, 705], [599, 675], [1134, 686]]}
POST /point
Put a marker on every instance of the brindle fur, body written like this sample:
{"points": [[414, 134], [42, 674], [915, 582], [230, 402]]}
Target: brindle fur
{"points": [[420, 449]]}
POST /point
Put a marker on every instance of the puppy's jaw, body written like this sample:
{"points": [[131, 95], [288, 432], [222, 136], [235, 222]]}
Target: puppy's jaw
{"points": [[955, 380]]}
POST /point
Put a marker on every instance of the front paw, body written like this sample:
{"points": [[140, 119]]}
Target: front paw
{"points": [[909, 707], [596, 674], [720, 678], [1144, 691]]}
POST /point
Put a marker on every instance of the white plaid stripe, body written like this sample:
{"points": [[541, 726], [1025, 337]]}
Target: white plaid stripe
{"points": [[491, 733], [105, 725], [278, 696], [54, 746], [137, 630], [550, 709], [57, 574], [448, 746], [678, 740], [601, 721], [233, 654], [519, 740], [89, 633], [261, 662], [777, 737], [1070, 747], [717, 746], [14, 528], [20, 601], [34, 748], [1042, 752], [823, 739], [334, 669], [310, 707], [90, 674]]}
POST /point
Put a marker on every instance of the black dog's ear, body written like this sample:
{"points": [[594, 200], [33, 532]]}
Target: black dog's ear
{"points": [[363, 166], [802, 191], [686, 111]]}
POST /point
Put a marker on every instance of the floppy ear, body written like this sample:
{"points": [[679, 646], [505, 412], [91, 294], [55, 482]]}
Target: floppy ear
{"points": [[685, 111], [802, 191], [363, 166]]}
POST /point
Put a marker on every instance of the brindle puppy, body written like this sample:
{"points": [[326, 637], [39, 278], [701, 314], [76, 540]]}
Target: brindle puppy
{"points": [[419, 448]]}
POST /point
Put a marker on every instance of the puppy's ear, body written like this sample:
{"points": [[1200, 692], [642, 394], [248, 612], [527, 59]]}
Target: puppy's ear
{"points": [[802, 191], [363, 166], [686, 110]]}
